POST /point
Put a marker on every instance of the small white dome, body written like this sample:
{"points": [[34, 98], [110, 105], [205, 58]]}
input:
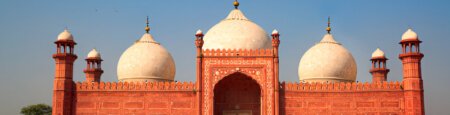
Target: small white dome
{"points": [[65, 35], [199, 32], [146, 60], [378, 53], [410, 35], [93, 54], [275, 31], [329, 61], [236, 32]]}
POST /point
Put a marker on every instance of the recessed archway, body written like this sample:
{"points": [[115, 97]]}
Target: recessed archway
{"points": [[237, 94]]}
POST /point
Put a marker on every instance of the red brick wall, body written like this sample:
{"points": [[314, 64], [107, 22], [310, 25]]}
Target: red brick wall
{"points": [[135, 98], [342, 98], [295, 98]]}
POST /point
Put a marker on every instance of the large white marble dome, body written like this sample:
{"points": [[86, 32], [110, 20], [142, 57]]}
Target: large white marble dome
{"points": [[236, 32], [327, 61], [146, 60]]}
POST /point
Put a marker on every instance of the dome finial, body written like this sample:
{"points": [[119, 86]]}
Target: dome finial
{"points": [[409, 27], [328, 28], [147, 28], [236, 4]]}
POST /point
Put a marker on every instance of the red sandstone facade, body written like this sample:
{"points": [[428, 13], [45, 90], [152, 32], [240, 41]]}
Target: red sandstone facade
{"points": [[238, 81]]}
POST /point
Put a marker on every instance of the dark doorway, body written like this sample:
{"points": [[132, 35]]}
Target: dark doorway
{"points": [[237, 94]]}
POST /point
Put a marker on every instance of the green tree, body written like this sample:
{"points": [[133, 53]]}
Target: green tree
{"points": [[37, 109]]}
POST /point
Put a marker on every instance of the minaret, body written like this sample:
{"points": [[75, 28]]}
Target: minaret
{"points": [[275, 45], [93, 69], [379, 71], [412, 74], [275, 41], [62, 84], [199, 46]]}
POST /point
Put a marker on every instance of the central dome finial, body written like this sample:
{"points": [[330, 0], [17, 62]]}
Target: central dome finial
{"points": [[147, 28], [236, 4], [328, 28]]}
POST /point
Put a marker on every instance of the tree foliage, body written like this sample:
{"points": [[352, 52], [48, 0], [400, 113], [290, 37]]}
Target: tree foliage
{"points": [[37, 109]]}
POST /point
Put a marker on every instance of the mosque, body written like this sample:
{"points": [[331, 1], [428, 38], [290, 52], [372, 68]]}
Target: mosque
{"points": [[237, 73]]}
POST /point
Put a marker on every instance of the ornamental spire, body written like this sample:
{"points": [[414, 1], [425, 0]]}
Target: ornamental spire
{"points": [[328, 28], [236, 4], [147, 28]]}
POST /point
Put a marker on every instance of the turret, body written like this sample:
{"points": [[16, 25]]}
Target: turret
{"points": [[379, 71], [412, 74], [275, 45], [62, 84], [199, 46], [199, 41], [411, 56], [275, 41], [93, 68]]}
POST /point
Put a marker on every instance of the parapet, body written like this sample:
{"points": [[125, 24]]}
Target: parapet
{"points": [[135, 86], [238, 53], [343, 86]]}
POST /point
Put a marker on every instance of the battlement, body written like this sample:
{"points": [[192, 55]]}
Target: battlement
{"points": [[237, 53], [343, 86], [135, 86]]}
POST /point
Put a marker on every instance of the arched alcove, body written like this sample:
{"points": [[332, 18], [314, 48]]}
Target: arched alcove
{"points": [[237, 94]]}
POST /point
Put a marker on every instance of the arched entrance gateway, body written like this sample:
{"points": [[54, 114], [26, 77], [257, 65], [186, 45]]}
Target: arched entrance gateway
{"points": [[237, 94], [237, 81]]}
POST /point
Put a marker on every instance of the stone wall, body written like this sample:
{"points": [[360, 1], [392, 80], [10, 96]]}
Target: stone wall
{"points": [[381, 98], [157, 98], [175, 98]]}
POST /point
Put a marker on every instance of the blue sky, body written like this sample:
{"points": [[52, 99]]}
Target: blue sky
{"points": [[29, 28]]}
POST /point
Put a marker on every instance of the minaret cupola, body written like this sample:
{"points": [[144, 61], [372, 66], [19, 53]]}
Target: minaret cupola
{"points": [[379, 70], [93, 68], [65, 42]]}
